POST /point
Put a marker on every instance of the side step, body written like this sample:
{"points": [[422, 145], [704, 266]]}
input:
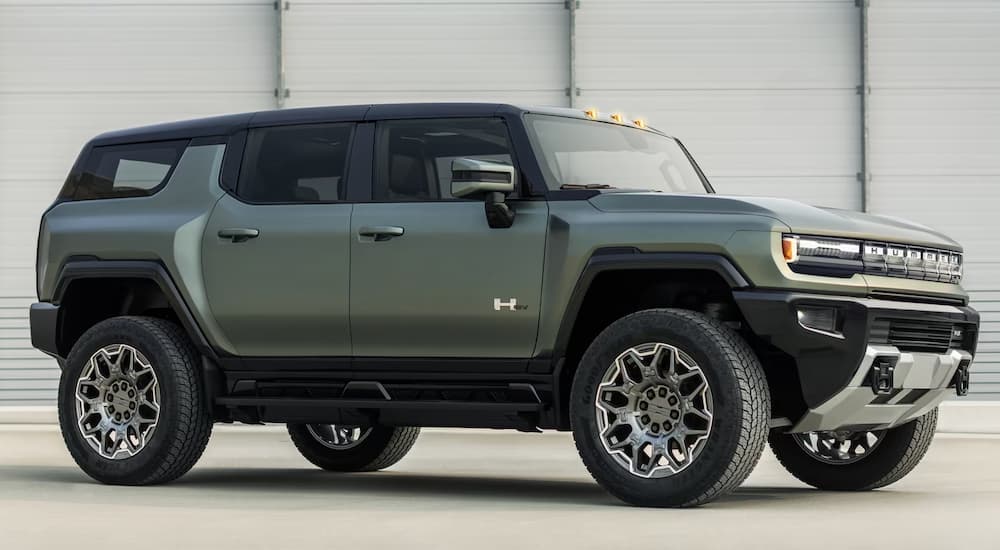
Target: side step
{"points": [[364, 402], [320, 403]]}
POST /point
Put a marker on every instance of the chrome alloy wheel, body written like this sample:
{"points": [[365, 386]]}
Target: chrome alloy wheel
{"points": [[336, 437], [654, 410], [839, 447], [117, 402]]}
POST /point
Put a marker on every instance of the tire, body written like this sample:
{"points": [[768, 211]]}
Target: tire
{"points": [[739, 396], [895, 456], [181, 428], [382, 447]]}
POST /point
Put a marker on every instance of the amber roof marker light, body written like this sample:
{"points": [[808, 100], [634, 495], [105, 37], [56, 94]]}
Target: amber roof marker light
{"points": [[591, 113]]}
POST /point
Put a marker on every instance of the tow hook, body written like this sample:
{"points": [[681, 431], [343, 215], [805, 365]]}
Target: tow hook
{"points": [[881, 377], [961, 380]]}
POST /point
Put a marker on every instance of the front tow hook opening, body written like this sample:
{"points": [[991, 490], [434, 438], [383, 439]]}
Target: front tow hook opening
{"points": [[961, 379], [881, 377]]}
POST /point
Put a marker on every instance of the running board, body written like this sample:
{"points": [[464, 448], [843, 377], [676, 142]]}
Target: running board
{"points": [[378, 404], [365, 402]]}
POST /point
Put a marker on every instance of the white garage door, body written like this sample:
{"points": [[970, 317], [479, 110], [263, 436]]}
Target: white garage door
{"points": [[342, 51], [763, 93], [70, 70], [935, 131]]}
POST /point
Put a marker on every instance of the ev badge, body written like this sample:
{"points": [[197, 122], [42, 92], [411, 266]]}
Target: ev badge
{"points": [[510, 305]]}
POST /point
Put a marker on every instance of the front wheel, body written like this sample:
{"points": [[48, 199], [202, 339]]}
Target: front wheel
{"points": [[855, 461], [339, 448], [669, 408]]}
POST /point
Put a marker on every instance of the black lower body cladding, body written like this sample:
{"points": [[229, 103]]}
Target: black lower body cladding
{"points": [[44, 319], [826, 363]]}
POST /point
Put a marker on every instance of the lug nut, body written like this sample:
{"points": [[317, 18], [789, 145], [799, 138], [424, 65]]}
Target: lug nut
{"points": [[645, 419], [128, 415], [672, 400], [650, 393], [131, 393], [114, 387], [667, 426], [643, 405], [118, 417], [654, 428], [675, 415], [111, 409], [132, 405], [663, 392]]}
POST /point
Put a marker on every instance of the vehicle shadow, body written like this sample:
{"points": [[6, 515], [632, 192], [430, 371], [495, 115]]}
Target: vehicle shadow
{"points": [[453, 487], [236, 484]]}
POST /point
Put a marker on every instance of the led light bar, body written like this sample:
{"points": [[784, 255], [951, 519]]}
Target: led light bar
{"points": [[845, 257]]}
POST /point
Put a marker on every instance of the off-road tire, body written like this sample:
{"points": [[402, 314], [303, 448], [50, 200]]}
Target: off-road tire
{"points": [[381, 448], [184, 424], [896, 455], [741, 401]]}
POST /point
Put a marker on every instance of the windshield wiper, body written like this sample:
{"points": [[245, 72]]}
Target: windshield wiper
{"points": [[586, 186]]}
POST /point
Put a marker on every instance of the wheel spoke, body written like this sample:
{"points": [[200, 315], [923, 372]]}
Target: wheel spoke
{"points": [[839, 447], [664, 361], [114, 415], [642, 404]]}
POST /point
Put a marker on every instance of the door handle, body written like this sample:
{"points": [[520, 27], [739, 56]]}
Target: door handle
{"points": [[380, 233], [239, 234]]}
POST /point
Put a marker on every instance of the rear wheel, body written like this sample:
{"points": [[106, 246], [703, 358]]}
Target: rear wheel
{"points": [[855, 461], [669, 408], [131, 406], [339, 448]]}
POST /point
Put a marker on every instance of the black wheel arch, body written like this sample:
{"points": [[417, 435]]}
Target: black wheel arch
{"points": [[626, 260], [149, 273]]}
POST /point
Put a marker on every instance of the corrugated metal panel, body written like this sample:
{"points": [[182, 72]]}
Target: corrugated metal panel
{"points": [[27, 376], [935, 134], [762, 92], [456, 50], [72, 69]]}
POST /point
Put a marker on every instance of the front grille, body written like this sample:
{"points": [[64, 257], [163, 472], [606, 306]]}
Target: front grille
{"points": [[920, 335], [912, 262]]}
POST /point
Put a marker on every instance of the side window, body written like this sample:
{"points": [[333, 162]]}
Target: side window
{"points": [[134, 170], [413, 157], [287, 164]]}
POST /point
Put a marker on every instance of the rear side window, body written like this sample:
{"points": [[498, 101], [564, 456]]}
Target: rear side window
{"points": [[134, 170], [295, 164]]}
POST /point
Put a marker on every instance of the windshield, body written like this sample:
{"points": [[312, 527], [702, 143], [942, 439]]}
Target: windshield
{"points": [[580, 154]]}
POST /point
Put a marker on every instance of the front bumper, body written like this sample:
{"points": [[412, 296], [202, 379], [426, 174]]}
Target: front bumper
{"points": [[922, 350]]}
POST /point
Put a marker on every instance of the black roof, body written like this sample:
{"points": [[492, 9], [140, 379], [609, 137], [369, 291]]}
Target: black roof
{"points": [[227, 124]]}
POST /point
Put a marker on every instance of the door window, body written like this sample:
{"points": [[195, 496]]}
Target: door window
{"points": [[295, 164], [413, 157]]}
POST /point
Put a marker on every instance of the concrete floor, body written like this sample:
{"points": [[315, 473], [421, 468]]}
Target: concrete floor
{"points": [[473, 490]]}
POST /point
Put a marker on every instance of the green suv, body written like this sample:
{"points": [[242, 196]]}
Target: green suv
{"points": [[360, 272]]}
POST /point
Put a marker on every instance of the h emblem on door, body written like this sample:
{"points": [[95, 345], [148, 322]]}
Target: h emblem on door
{"points": [[510, 305]]}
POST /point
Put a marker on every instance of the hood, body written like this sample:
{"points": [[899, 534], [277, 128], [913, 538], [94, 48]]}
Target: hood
{"points": [[800, 218]]}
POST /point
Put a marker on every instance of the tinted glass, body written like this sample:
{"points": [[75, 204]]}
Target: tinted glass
{"points": [[128, 170], [576, 153], [413, 157], [294, 164]]}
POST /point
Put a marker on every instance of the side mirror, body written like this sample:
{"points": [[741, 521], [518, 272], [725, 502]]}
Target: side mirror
{"points": [[471, 177], [491, 180]]}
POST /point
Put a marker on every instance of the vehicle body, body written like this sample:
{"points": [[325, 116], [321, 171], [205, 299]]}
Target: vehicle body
{"points": [[320, 275]]}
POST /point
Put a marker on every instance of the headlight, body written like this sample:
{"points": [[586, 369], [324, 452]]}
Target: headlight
{"points": [[836, 257], [822, 255]]}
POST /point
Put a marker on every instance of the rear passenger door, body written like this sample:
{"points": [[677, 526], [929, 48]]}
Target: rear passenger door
{"points": [[275, 253], [429, 277]]}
